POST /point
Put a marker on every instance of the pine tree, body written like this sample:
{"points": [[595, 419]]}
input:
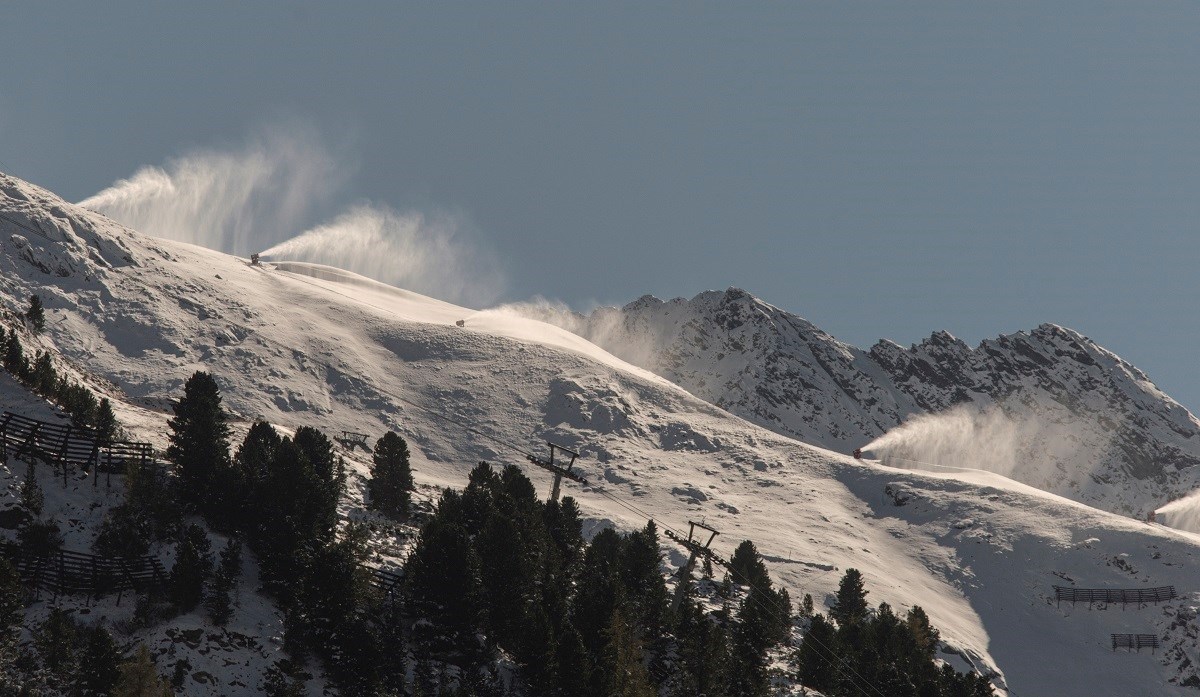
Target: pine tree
{"points": [[99, 664], [624, 656], [40, 538], [106, 422], [139, 677], [32, 498], [219, 601], [14, 358], [199, 440], [642, 582], [242, 484], [444, 579], [816, 655], [748, 568], [12, 617], [36, 314], [55, 642], [806, 606], [193, 563], [571, 664], [391, 480], [851, 605], [44, 378]]}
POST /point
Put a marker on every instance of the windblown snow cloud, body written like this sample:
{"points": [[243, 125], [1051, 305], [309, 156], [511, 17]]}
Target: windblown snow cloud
{"points": [[603, 326], [261, 195], [432, 253]]}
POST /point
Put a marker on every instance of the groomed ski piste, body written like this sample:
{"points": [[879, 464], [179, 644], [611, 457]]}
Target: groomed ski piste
{"points": [[301, 344]]}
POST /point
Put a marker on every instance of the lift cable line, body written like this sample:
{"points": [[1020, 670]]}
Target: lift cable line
{"points": [[838, 662], [760, 597], [558, 470]]}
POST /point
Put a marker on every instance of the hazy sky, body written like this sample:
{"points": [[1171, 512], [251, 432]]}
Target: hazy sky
{"points": [[884, 170]]}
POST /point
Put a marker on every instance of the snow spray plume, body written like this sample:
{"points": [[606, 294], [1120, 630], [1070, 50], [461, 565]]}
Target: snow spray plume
{"points": [[1181, 514], [433, 254], [987, 439], [605, 327], [960, 437], [232, 201]]}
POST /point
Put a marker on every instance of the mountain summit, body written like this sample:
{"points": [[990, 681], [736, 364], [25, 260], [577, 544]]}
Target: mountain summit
{"points": [[1096, 429]]}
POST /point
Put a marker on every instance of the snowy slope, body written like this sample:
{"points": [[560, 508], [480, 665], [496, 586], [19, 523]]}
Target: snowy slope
{"points": [[305, 345], [1094, 427]]}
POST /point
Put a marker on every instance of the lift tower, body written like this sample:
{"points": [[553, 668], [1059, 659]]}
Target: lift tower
{"points": [[556, 469], [695, 549]]}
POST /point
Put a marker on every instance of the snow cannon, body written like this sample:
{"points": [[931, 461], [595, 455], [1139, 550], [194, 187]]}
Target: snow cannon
{"points": [[857, 453], [254, 260]]}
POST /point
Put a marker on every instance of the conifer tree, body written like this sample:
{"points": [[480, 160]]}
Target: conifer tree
{"points": [[572, 666], [193, 563], [36, 314], [106, 422], [99, 663], [624, 656], [14, 358], [44, 378], [199, 440], [391, 480], [816, 655], [12, 615], [219, 600], [748, 568], [32, 498], [851, 605], [55, 640], [444, 581], [139, 677]]}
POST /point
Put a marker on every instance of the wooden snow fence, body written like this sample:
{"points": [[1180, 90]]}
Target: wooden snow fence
{"points": [[1112, 596], [65, 572], [65, 445], [351, 440], [1135, 641], [386, 582]]}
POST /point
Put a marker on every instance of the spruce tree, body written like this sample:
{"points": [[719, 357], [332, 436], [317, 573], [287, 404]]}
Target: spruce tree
{"points": [[193, 563], [816, 656], [55, 640], [391, 480], [12, 617], [44, 379], [851, 605], [99, 663], [627, 676], [218, 601], [106, 422], [32, 498], [199, 440], [748, 568], [36, 314], [572, 665], [14, 358]]}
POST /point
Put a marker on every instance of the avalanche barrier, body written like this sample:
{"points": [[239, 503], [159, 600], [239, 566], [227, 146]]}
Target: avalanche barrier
{"points": [[1114, 595]]}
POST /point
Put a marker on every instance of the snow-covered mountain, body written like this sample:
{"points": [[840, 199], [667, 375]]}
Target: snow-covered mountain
{"points": [[1094, 428], [300, 344]]}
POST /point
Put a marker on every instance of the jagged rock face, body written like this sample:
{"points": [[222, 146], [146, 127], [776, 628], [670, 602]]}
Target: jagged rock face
{"points": [[1105, 434]]}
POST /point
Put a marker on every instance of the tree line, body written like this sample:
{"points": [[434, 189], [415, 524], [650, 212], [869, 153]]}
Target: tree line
{"points": [[501, 593]]}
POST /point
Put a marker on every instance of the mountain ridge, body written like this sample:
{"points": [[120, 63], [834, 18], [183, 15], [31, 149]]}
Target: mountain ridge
{"points": [[1137, 446]]}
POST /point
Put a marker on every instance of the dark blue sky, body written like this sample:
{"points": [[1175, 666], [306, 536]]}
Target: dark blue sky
{"points": [[884, 170]]}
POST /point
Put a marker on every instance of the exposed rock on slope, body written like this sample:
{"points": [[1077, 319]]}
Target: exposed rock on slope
{"points": [[1097, 429]]}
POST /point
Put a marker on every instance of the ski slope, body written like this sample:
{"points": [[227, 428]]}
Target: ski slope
{"points": [[300, 344]]}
